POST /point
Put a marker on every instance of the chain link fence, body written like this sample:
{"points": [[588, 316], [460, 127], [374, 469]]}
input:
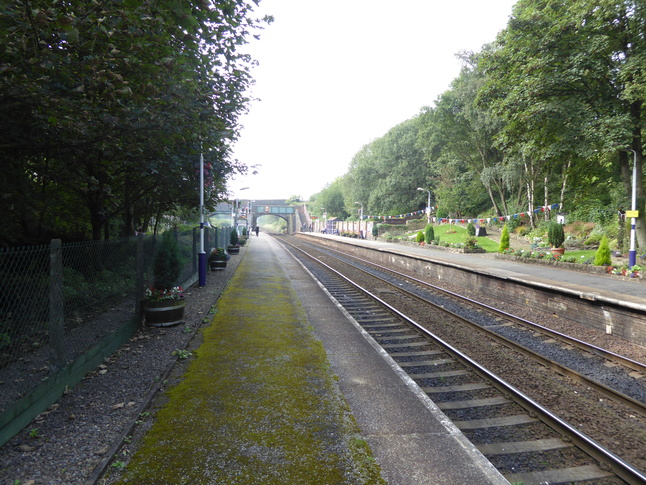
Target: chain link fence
{"points": [[64, 308]]}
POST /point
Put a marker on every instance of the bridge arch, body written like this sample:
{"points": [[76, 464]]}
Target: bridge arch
{"points": [[278, 208]]}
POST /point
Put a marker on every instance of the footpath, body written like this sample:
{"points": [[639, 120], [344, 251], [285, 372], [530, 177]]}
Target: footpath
{"points": [[285, 389], [257, 403]]}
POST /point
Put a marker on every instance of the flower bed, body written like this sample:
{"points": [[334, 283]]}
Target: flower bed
{"points": [[572, 266]]}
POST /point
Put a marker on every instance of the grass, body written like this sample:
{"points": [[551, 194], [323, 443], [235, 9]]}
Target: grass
{"points": [[460, 235], [444, 233], [258, 403]]}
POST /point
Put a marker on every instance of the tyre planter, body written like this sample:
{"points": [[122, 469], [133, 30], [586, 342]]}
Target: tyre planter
{"points": [[164, 313], [217, 265]]}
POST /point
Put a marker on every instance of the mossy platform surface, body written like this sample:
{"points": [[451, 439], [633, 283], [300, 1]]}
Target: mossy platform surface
{"points": [[258, 402]]}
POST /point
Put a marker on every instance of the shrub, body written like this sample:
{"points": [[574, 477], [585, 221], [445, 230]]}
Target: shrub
{"points": [[602, 256], [555, 235], [429, 233], [234, 239], [419, 237], [471, 229], [471, 242], [167, 265], [504, 239], [375, 230]]}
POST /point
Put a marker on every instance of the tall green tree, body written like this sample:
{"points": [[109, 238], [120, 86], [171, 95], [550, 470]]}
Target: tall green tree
{"points": [[385, 174], [568, 80], [105, 106], [467, 134]]}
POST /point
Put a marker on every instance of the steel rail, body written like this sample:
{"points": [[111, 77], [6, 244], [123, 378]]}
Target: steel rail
{"points": [[617, 396], [605, 457]]}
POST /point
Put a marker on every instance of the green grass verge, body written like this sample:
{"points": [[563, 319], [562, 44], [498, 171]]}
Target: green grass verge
{"points": [[258, 404]]}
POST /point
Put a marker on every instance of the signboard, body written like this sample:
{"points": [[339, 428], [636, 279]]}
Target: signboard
{"points": [[632, 213]]}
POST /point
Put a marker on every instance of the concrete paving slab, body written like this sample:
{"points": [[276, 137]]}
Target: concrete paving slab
{"points": [[411, 438]]}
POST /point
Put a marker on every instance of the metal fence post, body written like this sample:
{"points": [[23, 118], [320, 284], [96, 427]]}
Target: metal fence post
{"points": [[56, 310], [139, 280]]}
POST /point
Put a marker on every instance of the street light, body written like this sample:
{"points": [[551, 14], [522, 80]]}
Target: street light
{"points": [[634, 213], [360, 219], [235, 212], [201, 268], [324, 219], [428, 205]]}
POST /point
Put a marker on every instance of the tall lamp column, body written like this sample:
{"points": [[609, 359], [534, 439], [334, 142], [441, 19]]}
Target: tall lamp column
{"points": [[632, 255], [428, 205], [360, 217], [202, 255]]}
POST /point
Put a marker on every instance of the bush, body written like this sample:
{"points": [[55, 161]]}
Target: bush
{"points": [[555, 235], [167, 265], [471, 242], [419, 237], [504, 239], [429, 233], [602, 256], [471, 229], [234, 239]]}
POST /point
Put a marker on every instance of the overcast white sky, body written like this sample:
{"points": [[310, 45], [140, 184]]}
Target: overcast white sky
{"points": [[335, 75]]}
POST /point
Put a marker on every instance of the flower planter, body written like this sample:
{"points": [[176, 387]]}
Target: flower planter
{"points": [[559, 251], [217, 265], [164, 313], [233, 249]]}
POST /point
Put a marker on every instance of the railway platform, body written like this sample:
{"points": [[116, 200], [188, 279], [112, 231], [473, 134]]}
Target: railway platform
{"points": [[410, 438], [631, 292]]}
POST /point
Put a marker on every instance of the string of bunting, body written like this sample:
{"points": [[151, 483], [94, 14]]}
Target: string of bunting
{"points": [[488, 220]]}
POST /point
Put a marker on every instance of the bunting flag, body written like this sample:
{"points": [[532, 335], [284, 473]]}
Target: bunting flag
{"points": [[521, 215]]}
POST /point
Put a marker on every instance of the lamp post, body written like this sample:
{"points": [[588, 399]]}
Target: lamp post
{"points": [[324, 214], [632, 254], [360, 218], [201, 268], [236, 210], [428, 205]]}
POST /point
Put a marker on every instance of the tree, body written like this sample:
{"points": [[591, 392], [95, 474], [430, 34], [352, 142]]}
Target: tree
{"points": [[106, 106], [385, 174], [602, 255], [568, 79], [467, 133], [429, 233], [331, 197], [504, 239]]}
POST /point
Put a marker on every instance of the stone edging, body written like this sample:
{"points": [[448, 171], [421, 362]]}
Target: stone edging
{"points": [[581, 268]]}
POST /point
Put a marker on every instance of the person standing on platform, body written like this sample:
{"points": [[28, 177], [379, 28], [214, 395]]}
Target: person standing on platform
{"points": [[257, 230]]}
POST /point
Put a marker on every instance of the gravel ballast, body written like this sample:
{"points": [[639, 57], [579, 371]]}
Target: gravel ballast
{"points": [[75, 438]]}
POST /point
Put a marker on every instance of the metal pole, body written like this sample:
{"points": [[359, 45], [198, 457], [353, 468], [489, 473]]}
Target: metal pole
{"points": [[632, 255], [202, 255], [428, 204]]}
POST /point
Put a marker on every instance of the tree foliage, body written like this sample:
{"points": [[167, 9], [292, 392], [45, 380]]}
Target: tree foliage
{"points": [[105, 107], [550, 112]]}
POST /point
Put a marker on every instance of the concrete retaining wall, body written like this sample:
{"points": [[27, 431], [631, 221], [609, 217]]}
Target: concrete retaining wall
{"points": [[621, 319]]}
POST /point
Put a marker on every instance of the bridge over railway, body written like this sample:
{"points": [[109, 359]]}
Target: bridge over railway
{"points": [[248, 212]]}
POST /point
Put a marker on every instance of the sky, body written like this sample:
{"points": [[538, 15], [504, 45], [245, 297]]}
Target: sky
{"points": [[335, 75]]}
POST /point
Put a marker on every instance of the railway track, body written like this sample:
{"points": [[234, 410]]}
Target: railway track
{"points": [[615, 376], [525, 441]]}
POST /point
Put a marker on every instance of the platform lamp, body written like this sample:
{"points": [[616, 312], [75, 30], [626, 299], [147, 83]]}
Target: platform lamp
{"points": [[361, 216], [428, 204], [633, 213], [202, 254]]}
